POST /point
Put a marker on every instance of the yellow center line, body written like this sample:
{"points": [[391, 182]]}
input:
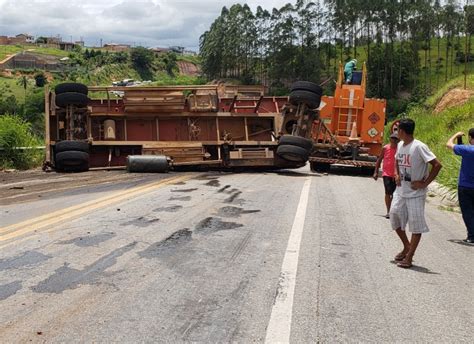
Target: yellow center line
{"points": [[50, 219]]}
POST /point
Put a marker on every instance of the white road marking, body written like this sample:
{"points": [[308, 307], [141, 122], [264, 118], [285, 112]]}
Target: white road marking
{"points": [[279, 326]]}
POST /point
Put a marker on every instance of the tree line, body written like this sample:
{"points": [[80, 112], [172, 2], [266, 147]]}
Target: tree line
{"points": [[307, 39]]}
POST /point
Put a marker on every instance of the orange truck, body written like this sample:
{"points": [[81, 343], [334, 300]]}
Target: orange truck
{"points": [[350, 127]]}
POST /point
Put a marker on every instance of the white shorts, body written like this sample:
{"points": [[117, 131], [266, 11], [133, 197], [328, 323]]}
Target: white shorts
{"points": [[408, 210]]}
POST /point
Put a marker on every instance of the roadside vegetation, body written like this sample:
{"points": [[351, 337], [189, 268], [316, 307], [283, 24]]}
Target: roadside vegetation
{"points": [[436, 128], [17, 142]]}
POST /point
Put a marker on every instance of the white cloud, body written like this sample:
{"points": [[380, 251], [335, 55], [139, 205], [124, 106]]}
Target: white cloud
{"points": [[140, 22]]}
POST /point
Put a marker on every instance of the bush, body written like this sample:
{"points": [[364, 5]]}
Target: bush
{"points": [[14, 134], [40, 79], [435, 130]]}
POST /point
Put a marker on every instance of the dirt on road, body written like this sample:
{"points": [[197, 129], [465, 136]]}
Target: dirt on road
{"points": [[16, 187]]}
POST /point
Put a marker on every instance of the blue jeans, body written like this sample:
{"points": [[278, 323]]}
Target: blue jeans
{"points": [[466, 202]]}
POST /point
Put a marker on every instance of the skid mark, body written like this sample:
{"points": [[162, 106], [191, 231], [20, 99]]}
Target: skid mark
{"points": [[178, 238], [169, 209], [141, 221], [89, 240], [66, 278], [223, 189], [214, 183], [234, 212], [25, 259], [184, 190], [212, 224], [10, 289], [180, 198], [233, 197]]}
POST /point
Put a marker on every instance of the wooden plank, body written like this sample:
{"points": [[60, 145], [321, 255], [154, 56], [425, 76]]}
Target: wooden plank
{"points": [[173, 114], [47, 134], [182, 143], [172, 144], [246, 129]]}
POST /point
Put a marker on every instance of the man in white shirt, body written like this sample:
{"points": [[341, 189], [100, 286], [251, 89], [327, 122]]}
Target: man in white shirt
{"points": [[412, 175]]}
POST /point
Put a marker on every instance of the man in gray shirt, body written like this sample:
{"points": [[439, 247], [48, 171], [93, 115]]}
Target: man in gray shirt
{"points": [[412, 175]]}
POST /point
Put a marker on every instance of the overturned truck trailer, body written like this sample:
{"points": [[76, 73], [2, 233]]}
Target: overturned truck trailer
{"points": [[213, 126]]}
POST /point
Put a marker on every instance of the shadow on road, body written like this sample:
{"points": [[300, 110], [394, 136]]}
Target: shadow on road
{"points": [[297, 174], [418, 268], [460, 242], [351, 171]]}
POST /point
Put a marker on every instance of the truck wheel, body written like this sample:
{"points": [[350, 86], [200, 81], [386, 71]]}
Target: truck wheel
{"points": [[319, 167], [68, 87], [293, 153], [79, 146], [307, 86], [305, 97], [72, 161], [296, 141], [71, 98]]}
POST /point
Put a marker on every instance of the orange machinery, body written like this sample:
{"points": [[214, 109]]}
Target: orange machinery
{"points": [[350, 127]]}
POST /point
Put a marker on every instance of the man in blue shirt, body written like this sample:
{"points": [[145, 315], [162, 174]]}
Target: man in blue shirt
{"points": [[466, 181], [349, 68]]}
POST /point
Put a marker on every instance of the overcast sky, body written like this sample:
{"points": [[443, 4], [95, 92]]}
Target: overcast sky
{"points": [[149, 23]]}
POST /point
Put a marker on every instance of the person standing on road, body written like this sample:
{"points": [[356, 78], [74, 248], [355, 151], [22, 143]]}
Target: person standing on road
{"points": [[388, 170], [412, 176], [349, 68], [466, 181]]}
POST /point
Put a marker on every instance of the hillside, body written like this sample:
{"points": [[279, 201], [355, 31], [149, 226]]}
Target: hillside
{"points": [[436, 127], [95, 69]]}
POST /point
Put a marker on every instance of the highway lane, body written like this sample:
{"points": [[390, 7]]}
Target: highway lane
{"points": [[221, 257]]}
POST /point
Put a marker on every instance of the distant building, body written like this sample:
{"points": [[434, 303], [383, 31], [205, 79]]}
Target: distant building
{"points": [[177, 50], [189, 53], [160, 51], [53, 40], [67, 46], [80, 43], [116, 47], [22, 38], [25, 38]]}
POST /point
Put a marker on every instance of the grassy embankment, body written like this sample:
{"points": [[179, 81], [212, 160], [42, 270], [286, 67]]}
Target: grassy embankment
{"points": [[436, 128]]}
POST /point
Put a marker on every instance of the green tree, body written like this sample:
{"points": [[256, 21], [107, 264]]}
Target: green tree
{"points": [[40, 79], [23, 82], [142, 58]]}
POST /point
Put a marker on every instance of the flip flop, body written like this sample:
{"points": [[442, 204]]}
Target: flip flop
{"points": [[404, 265], [399, 257]]}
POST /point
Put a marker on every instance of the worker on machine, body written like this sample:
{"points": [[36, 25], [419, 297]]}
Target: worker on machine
{"points": [[349, 68]]}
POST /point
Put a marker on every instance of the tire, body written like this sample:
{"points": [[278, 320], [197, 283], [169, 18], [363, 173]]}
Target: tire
{"points": [[79, 146], [69, 87], [319, 167], [296, 141], [305, 97], [72, 159], [307, 86], [71, 98], [293, 153]]}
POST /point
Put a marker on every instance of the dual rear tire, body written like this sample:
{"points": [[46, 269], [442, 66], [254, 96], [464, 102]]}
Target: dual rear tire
{"points": [[305, 92], [294, 148], [72, 156], [71, 94]]}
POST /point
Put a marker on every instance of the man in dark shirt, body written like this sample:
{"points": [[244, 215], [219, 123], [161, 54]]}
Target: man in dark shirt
{"points": [[466, 181]]}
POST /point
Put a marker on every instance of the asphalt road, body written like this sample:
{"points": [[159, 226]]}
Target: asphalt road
{"points": [[221, 257]]}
